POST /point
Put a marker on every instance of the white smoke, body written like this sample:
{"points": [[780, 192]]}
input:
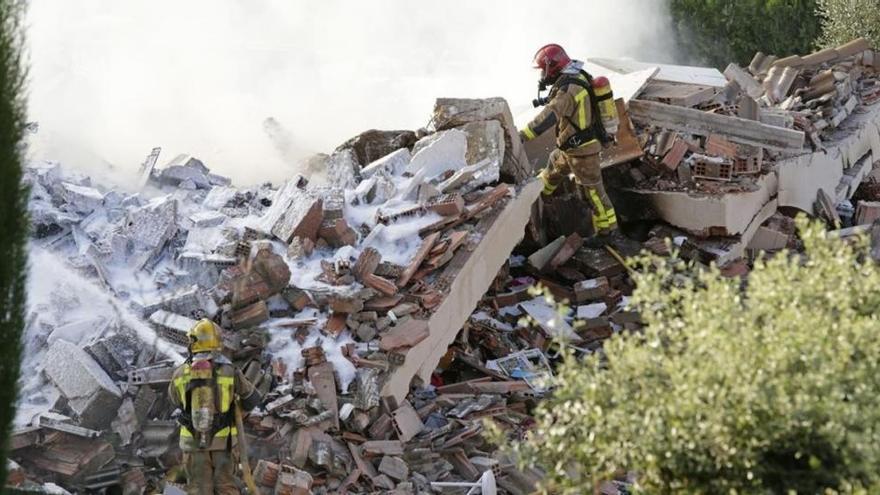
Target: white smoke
{"points": [[110, 80]]}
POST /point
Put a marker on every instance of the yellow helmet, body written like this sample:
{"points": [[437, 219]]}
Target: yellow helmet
{"points": [[204, 336]]}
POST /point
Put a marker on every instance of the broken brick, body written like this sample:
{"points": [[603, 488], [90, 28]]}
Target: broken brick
{"points": [[381, 284], [407, 334], [566, 251], [591, 290], [675, 154], [249, 316]]}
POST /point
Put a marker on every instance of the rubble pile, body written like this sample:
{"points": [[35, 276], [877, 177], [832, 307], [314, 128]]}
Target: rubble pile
{"points": [[726, 154], [719, 140], [383, 301], [335, 293]]}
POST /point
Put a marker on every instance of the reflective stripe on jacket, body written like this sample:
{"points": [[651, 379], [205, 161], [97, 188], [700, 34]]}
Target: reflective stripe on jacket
{"points": [[568, 111], [227, 380]]}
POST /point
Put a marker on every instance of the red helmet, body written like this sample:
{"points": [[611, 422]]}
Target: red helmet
{"points": [[551, 59]]}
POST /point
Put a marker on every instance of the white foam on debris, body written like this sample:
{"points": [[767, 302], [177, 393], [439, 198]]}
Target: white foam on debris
{"points": [[49, 279], [438, 153], [64, 299], [83, 307], [284, 347]]}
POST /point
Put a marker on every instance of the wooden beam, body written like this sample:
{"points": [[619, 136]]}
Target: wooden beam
{"points": [[704, 123]]}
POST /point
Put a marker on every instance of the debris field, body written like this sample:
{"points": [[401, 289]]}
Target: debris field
{"points": [[387, 303]]}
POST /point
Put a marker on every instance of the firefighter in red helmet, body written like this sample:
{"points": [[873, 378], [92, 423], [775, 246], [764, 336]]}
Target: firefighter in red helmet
{"points": [[581, 110]]}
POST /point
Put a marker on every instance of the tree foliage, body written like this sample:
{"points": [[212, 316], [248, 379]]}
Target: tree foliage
{"points": [[721, 31], [845, 20], [13, 213], [763, 388]]}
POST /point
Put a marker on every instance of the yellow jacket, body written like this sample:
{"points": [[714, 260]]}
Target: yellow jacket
{"points": [[229, 382]]}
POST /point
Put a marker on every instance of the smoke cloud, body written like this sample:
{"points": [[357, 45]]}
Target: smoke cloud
{"points": [[110, 80]]}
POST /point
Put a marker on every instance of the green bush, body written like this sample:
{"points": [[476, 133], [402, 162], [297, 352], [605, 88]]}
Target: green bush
{"points": [[845, 20], [721, 31], [13, 214], [764, 388]]}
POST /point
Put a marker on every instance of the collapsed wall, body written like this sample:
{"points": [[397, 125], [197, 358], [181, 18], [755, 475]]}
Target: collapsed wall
{"points": [[342, 287], [795, 132]]}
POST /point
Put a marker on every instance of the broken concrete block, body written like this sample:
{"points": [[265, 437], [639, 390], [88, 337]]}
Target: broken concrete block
{"points": [[867, 212], [272, 268], [89, 391], [371, 145], [485, 141], [566, 251], [323, 380], [281, 200], [381, 284], [342, 169], [80, 198], [394, 467], [175, 175], [207, 219], [406, 334], [439, 153], [382, 447], [590, 311], [745, 80], [768, 239], [186, 301], [675, 154], [115, 352], [591, 290], [393, 163], [302, 218], [249, 316], [219, 180], [447, 205], [406, 422], [337, 233], [366, 332], [173, 327], [151, 226], [470, 176], [541, 258], [292, 481], [219, 197], [456, 112]]}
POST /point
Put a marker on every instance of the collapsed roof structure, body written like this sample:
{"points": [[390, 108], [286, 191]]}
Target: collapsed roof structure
{"points": [[383, 305]]}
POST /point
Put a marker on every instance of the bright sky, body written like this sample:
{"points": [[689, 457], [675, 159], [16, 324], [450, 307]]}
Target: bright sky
{"points": [[111, 79]]}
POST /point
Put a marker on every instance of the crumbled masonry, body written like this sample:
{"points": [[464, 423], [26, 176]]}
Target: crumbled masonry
{"points": [[385, 305]]}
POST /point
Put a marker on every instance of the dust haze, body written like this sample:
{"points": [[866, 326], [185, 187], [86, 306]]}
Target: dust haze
{"points": [[110, 79]]}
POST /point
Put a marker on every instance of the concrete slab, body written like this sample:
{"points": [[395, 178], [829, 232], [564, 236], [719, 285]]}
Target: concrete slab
{"points": [[439, 153], [474, 275], [705, 215], [703, 76], [89, 390], [801, 177]]}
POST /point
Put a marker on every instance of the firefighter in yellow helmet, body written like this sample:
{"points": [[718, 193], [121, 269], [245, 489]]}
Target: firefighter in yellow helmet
{"points": [[205, 388], [582, 112]]}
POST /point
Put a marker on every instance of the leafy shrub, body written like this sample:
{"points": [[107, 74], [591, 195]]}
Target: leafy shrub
{"points": [[766, 387], [723, 31], [844, 20]]}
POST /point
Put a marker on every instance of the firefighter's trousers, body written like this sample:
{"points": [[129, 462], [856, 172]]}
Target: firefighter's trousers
{"points": [[588, 175], [210, 472]]}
